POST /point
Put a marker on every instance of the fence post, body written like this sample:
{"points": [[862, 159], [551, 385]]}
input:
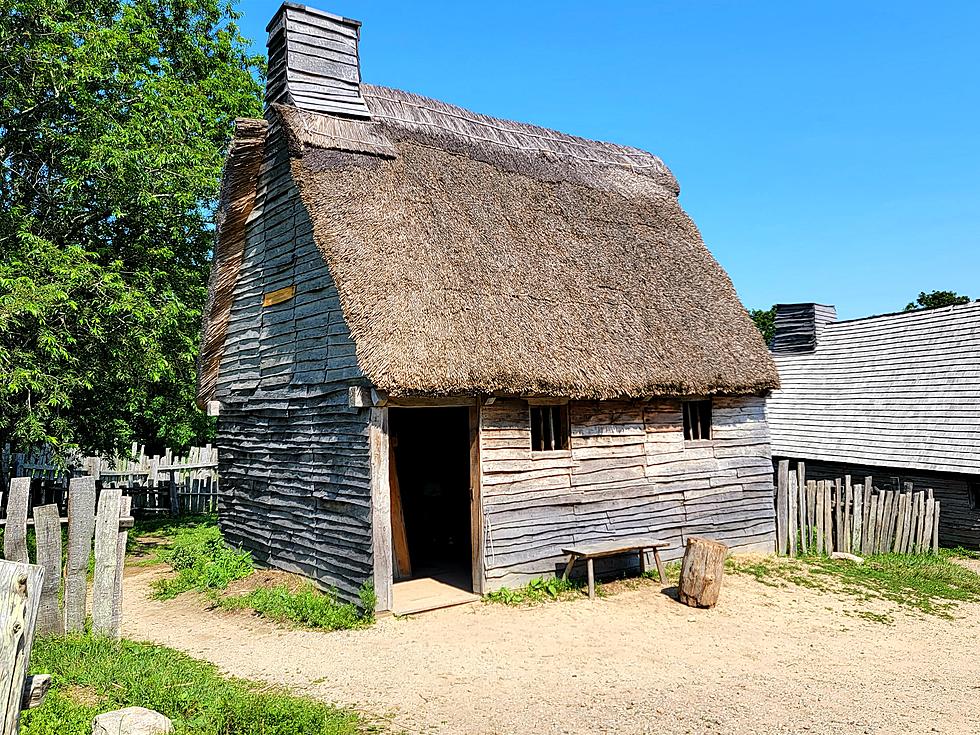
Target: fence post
{"points": [[174, 497], [106, 560], [47, 530], [15, 532], [782, 507], [81, 526], [20, 594]]}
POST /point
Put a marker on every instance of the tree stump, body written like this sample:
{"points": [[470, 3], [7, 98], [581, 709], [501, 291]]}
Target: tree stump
{"points": [[701, 572]]}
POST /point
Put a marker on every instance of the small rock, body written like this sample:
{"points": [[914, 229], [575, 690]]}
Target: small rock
{"points": [[132, 721]]}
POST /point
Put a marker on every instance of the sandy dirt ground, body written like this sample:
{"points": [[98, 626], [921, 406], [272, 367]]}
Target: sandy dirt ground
{"points": [[766, 660]]}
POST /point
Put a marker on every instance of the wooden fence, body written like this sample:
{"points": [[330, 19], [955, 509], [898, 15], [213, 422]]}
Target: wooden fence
{"points": [[824, 516], [166, 483], [20, 596], [61, 610]]}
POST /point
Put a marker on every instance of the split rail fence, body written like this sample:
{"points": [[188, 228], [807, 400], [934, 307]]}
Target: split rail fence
{"points": [[824, 516], [63, 599], [165, 483]]}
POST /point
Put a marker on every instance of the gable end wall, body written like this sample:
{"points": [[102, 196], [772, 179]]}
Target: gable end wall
{"points": [[294, 460]]}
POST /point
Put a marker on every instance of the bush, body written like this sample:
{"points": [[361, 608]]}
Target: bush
{"points": [[203, 561], [94, 675]]}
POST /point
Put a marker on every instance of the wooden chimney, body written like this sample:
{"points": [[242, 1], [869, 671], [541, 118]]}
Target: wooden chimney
{"points": [[313, 62]]}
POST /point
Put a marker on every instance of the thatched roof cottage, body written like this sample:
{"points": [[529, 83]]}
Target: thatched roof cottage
{"points": [[444, 341], [895, 396]]}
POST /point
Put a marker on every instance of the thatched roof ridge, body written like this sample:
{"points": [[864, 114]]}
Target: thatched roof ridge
{"points": [[474, 255]]}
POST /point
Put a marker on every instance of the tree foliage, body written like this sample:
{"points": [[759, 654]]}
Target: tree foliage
{"points": [[114, 115], [765, 320], [935, 299]]}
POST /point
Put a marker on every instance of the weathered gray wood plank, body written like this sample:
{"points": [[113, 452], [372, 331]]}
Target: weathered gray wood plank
{"points": [[20, 597], [47, 527], [106, 561], [15, 530], [81, 527]]}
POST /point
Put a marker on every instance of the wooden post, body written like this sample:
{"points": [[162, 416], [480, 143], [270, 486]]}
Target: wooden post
{"points": [[805, 544], [811, 511], [791, 497], [828, 522], [174, 497], [899, 522], [81, 527], [47, 529], [20, 596], [848, 513], [935, 531], [106, 561], [821, 548], [782, 508], [702, 571], [381, 506], [476, 500], [125, 508], [858, 515], [15, 531]]}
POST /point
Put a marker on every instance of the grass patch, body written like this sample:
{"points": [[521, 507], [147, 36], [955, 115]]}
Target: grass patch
{"points": [[202, 560], [196, 550], [307, 607], [94, 675], [927, 583], [539, 590]]}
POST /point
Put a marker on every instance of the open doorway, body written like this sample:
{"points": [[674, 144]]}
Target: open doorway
{"points": [[430, 506]]}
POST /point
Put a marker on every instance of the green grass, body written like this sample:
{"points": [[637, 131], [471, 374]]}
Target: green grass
{"points": [[539, 590], [90, 676], [927, 583], [202, 560], [307, 607], [195, 549]]}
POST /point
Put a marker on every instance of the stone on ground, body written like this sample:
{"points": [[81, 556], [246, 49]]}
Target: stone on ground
{"points": [[132, 721]]}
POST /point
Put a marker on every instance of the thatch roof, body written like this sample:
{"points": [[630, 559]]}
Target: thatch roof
{"points": [[476, 255]]}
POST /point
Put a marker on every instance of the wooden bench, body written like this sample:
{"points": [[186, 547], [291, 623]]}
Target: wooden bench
{"points": [[598, 549]]}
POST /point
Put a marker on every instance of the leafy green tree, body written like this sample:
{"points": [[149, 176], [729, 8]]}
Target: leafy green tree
{"points": [[114, 115], [935, 299], [765, 320]]}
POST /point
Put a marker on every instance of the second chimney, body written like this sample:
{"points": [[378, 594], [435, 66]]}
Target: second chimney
{"points": [[313, 62], [797, 326]]}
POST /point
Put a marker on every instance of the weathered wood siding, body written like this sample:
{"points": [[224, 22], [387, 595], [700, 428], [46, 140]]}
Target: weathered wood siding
{"points": [[959, 523], [796, 326], [294, 458], [628, 472]]}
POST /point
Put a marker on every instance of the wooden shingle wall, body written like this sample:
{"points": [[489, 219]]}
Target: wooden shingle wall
{"points": [[899, 390], [796, 326], [629, 472], [959, 522], [294, 460]]}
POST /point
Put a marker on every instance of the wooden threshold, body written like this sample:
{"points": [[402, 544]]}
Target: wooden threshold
{"points": [[415, 596]]}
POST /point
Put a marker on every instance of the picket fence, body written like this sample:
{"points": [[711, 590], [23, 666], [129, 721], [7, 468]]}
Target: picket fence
{"points": [[65, 607], [824, 516], [168, 482]]}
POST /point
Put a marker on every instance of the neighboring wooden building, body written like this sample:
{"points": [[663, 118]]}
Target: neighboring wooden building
{"points": [[896, 397], [505, 330]]}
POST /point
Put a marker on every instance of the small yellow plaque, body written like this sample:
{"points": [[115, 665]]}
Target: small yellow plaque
{"points": [[277, 297]]}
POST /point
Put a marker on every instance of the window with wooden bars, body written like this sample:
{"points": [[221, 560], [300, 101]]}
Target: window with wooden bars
{"points": [[549, 428], [697, 420]]}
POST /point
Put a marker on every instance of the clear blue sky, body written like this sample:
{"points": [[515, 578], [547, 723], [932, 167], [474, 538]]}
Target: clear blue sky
{"points": [[829, 151]]}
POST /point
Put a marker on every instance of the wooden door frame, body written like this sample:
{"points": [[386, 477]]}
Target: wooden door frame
{"points": [[476, 500], [380, 441]]}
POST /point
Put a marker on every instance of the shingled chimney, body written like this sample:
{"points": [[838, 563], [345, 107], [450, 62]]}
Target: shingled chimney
{"points": [[313, 62], [797, 326]]}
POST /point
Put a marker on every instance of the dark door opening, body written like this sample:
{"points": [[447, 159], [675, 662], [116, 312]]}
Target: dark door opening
{"points": [[431, 489]]}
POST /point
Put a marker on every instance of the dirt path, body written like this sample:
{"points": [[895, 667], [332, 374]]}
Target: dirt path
{"points": [[767, 660]]}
